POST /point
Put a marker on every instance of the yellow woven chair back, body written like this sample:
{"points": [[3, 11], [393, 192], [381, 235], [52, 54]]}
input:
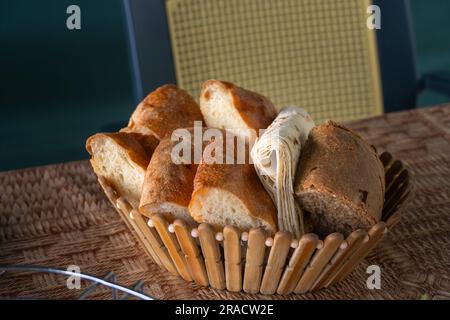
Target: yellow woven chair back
{"points": [[317, 54]]}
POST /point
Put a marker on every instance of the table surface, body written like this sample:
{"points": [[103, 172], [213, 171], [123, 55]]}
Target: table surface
{"points": [[57, 216]]}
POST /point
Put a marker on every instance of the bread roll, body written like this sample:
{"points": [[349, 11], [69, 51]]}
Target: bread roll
{"points": [[275, 156], [162, 111], [121, 160], [168, 184], [226, 106], [226, 194], [340, 180]]}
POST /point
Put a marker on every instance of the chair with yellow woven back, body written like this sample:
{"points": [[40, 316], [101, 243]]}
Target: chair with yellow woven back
{"points": [[317, 54]]}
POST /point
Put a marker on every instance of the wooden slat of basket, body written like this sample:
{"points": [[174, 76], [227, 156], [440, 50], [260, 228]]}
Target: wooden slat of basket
{"points": [[376, 233], [393, 217], [401, 178], [172, 246], [140, 229], [211, 253], [276, 262], [397, 191], [254, 260], [392, 171], [386, 158], [397, 208], [109, 191], [232, 253], [124, 207], [125, 210], [191, 252], [318, 262], [353, 241], [151, 238], [297, 263], [396, 200], [152, 248]]}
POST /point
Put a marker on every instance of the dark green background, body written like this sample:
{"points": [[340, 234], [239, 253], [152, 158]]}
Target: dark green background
{"points": [[60, 86]]}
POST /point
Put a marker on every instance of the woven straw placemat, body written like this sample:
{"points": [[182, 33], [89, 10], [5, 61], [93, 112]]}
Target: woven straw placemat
{"points": [[57, 216]]}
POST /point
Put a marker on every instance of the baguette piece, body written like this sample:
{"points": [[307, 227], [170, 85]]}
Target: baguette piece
{"points": [[340, 180], [227, 194], [121, 160], [226, 106], [168, 184], [162, 111], [275, 156]]}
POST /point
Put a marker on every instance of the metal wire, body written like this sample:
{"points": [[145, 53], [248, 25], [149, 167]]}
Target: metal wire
{"points": [[97, 281]]}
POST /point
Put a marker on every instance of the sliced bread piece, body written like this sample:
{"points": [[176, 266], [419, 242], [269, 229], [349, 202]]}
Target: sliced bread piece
{"points": [[226, 106], [162, 111], [340, 180], [227, 194], [120, 159], [169, 182]]}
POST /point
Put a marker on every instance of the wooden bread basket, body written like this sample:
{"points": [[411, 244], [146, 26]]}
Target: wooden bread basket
{"points": [[253, 262]]}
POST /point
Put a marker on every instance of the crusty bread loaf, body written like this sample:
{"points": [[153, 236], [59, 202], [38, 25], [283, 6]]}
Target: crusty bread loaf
{"points": [[227, 194], [340, 180], [226, 106], [162, 111], [120, 159], [168, 185]]}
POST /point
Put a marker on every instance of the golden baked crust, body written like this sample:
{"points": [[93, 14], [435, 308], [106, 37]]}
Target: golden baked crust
{"points": [[242, 181], [166, 181], [134, 149], [148, 141], [339, 170], [164, 110], [167, 185], [256, 111]]}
